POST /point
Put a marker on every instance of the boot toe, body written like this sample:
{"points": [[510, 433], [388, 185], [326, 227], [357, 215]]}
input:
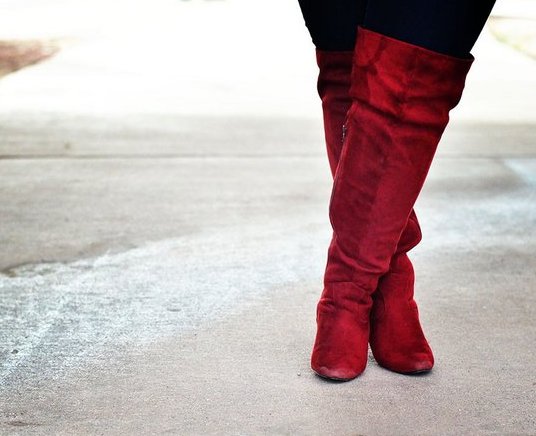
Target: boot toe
{"points": [[420, 367], [410, 366]]}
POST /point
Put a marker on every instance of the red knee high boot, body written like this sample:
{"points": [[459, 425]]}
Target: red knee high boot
{"points": [[397, 340], [401, 97]]}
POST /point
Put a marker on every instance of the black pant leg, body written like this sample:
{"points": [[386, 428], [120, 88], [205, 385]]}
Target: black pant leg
{"points": [[445, 26], [333, 23]]}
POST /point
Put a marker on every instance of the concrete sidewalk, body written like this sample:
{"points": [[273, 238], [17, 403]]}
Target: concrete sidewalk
{"points": [[163, 218]]}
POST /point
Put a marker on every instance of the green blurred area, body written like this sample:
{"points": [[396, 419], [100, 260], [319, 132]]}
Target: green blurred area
{"points": [[519, 33]]}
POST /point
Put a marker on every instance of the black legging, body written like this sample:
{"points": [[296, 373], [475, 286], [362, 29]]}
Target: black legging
{"points": [[445, 26]]}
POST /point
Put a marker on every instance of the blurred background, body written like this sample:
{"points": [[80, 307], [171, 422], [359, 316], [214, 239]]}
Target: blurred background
{"points": [[163, 225], [170, 51]]}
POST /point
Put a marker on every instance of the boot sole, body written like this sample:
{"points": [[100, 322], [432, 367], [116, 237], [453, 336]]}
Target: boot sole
{"points": [[416, 372], [333, 378]]}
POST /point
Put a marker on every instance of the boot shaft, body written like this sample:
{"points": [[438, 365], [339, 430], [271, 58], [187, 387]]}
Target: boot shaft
{"points": [[401, 98]]}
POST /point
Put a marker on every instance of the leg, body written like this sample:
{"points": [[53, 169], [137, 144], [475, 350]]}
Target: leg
{"points": [[396, 338], [333, 26], [401, 97]]}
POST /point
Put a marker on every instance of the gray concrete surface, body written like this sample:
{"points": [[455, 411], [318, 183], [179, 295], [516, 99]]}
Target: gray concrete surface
{"points": [[161, 261]]}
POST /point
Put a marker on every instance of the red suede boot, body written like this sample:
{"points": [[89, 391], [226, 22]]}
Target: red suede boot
{"points": [[341, 305], [401, 97], [409, 346]]}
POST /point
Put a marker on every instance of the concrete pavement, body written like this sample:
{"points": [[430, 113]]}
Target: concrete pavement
{"points": [[164, 228]]}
